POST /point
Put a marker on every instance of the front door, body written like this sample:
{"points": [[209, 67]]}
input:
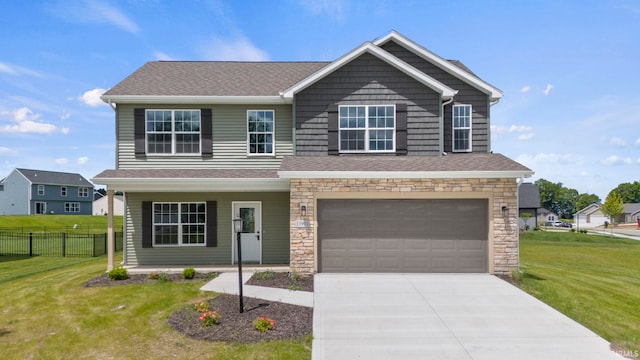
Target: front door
{"points": [[251, 236]]}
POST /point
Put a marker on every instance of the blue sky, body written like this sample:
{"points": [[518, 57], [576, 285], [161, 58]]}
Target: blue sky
{"points": [[569, 69]]}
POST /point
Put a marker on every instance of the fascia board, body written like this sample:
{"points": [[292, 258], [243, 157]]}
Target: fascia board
{"points": [[430, 82], [481, 85], [200, 184], [403, 174], [162, 99]]}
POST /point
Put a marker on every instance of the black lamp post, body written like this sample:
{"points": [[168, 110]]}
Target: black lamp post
{"points": [[237, 227]]}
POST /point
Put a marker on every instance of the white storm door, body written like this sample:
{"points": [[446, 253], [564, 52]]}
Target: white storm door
{"points": [[251, 235]]}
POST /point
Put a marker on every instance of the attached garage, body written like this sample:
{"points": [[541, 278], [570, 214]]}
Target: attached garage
{"points": [[404, 235]]}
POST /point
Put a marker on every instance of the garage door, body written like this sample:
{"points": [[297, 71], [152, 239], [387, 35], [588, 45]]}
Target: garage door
{"points": [[403, 235]]}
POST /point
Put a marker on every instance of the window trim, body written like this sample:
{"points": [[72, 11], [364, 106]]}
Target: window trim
{"points": [[70, 206], [367, 129], [454, 128], [40, 190], [273, 134], [178, 224], [173, 152], [80, 192], [63, 191]]}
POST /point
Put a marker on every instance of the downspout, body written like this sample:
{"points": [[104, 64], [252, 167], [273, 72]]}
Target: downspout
{"points": [[489, 124], [519, 182], [441, 125], [112, 105]]}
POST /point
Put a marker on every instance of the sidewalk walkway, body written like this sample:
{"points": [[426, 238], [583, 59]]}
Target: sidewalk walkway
{"points": [[227, 283]]}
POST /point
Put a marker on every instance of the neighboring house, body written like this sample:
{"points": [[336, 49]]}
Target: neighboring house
{"points": [[629, 213], [379, 161], [100, 205], [547, 216], [27, 192], [590, 217], [636, 217], [528, 202]]}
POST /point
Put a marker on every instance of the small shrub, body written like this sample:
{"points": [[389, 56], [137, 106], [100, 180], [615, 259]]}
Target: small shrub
{"points": [[573, 230], [294, 286], [163, 277], [263, 324], [154, 276], [264, 275], [189, 273], [119, 273], [582, 231], [209, 318], [537, 228], [202, 307], [296, 276]]}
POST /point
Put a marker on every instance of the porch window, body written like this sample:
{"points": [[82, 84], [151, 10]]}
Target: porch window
{"points": [[173, 131], [260, 132], [367, 128], [462, 128], [179, 224]]}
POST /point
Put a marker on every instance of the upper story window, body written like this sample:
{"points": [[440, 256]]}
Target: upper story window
{"points": [[177, 224], [367, 128], [83, 192], [261, 132], [461, 128], [40, 189], [63, 191], [173, 131]]}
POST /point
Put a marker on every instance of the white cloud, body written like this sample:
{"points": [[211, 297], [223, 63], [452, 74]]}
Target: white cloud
{"points": [[237, 49], [5, 151], [61, 161], [334, 9], [91, 12], [82, 160], [17, 70], [64, 130], [616, 141], [617, 160], [547, 90], [24, 121], [638, 142], [92, 97], [525, 89], [526, 136], [159, 55], [544, 158], [524, 130], [521, 128]]}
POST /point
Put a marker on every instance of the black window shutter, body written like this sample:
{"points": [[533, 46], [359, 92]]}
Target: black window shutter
{"points": [[401, 129], [212, 224], [332, 130], [139, 131], [147, 224], [206, 130]]}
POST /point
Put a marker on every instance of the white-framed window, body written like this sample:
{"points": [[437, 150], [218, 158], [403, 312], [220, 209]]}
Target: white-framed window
{"points": [[71, 207], [63, 191], [83, 192], [261, 132], [461, 128], [179, 224], [173, 131], [40, 189], [370, 128]]}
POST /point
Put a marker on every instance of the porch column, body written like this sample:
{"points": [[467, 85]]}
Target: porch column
{"points": [[110, 235]]}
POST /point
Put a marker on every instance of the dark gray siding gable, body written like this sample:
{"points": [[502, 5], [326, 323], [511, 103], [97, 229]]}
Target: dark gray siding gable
{"points": [[467, 94], [367, 80]]}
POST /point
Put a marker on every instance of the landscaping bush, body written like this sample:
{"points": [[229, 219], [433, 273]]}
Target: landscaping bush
{"points": [[189, 273], [263, 324], [119, 273], [264, 275], [154, 276]]}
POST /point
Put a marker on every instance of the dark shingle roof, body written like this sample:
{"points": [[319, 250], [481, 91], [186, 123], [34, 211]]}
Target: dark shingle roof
{"points": [[529, 196], [214, 78], [485, 162], [188, 174], [54, 178]]}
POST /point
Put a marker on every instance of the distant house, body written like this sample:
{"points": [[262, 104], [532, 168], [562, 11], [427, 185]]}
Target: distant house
{"points": [[590, 217], [528, 202], [630, 213], [100, 205], [547, 216], [28, 192]]}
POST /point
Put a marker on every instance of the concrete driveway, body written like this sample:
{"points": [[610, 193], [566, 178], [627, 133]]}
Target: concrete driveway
{"points": [[441, 316]]}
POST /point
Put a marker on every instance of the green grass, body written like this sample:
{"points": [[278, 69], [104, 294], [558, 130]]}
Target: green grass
{"points": [[47, 313], [58, 223], [593, 279]]}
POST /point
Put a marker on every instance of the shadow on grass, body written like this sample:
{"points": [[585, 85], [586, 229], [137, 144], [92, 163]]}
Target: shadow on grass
{"points": [[5, 258], [4, 332]]}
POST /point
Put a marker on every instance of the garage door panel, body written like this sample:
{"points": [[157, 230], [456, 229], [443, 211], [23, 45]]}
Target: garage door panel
{"points": [[403, 235]]}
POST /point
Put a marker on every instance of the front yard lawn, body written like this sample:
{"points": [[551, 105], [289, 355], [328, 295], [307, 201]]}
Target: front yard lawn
{"points": [[593, 279], [48, 314]]}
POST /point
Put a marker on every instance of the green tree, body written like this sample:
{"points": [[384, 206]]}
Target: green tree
{"points": [[629, 192], [613, 206], [585, 200]]}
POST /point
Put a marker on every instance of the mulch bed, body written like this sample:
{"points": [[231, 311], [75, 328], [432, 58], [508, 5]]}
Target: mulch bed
{"points": [[282, 280], [292, 321]]}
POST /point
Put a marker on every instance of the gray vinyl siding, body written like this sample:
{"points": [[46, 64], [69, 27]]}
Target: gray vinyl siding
{"points": [[467, 94], [367, 80], [275, 230], [229, 139], [14, 199]]}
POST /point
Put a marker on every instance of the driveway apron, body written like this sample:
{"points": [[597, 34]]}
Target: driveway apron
{"points": [[441, 316]]}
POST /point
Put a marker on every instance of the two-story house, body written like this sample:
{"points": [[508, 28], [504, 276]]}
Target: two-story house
{"points": [[379, 161], [28, 192]]}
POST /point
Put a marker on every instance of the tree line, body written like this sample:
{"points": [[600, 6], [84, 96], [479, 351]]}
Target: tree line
{"points": [[566, 202]]}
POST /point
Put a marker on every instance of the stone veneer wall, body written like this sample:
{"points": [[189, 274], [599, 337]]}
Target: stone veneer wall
{"points": [[502, 191]]}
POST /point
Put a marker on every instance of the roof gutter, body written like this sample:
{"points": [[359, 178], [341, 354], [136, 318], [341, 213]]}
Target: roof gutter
{"points": [[188, 99], [402, 174]]}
